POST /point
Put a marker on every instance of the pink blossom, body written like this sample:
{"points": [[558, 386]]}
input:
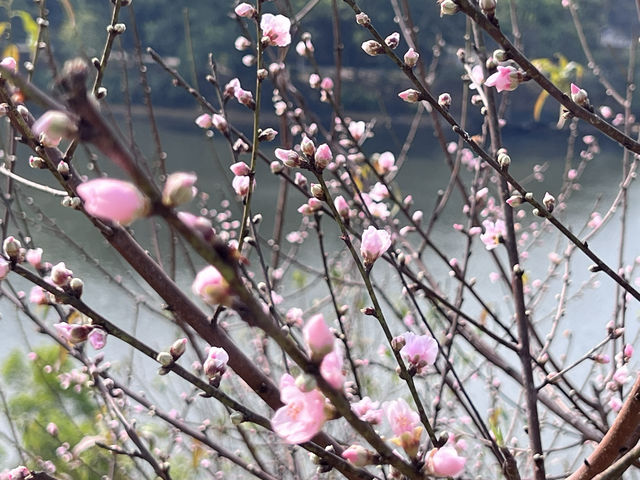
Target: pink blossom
{"points": [[38, 296], [275, 29], [52, 127], [572, 174], [477, 75], [216, 363], [367, 410], [506, 78], [331, 368], [318, 337], [241, 185], [240, 168], [204, 121], [615, 404], [52, 429], [179, 188], [245, 97], [494, 233], [61, 275], [386, 163], [314, 80], [405, 424], [34, 257], [114, 200], [5, 268], [444, 462], [606, 111], [211, 286], [10, 64], [289, 157], [374, 243], [419, 350], [98, 338], [357, 130], [303, 415], [379, 192], [73, 332], [628, 351], [621, 375], [245, 10], [410, 95]]}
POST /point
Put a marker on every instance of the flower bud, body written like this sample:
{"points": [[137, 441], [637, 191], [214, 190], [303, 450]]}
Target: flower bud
{"points": [[362, 19], [358, 456], [549, 201], [220, 123], [164, 358], [276, 167], [579, 96], [318, 338], [245, 10], [179, 189], [448, 7], [392, 40], [444, 100], [236, 418], [11, 248], [316, 191], [34, 257], [307, 147], [499, 55], [410, 95], [411, 58], [504, 160], [289, 157], [373, 48], [267, 135], [178, 348], [211, 286], [5, 268], [488, 7], [216, 363], [76, 285], [61, 275], [323, 156], [37, 162]]}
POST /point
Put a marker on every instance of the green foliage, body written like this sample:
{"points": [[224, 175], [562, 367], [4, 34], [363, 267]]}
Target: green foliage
{"points": [[37, 397]]}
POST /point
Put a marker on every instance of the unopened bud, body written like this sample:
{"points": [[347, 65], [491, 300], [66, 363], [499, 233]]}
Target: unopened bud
{"points": [[499, 55], [236, 418], [448, 7], [164, 358], [362, 19], [397, 343], [410, 95], [411, 57], [267, 135], [392, 40], [307, 147], [11, 248], [488, 7], [178, 348], [316, 191], [579, 95], [276, 167], [549, 201], [63, 169], [373, 48], [76, 285], [368, 311], [504, 160]]}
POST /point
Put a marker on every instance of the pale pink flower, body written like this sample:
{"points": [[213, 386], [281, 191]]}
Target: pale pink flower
{"points": [[374, 243], [379, 192], [10, 64], [303, 415], [34, 257], [494, 233], [326, 84], [73, 332], [114, 200], [367, 410], [245, 10], [61, 275], [179, 188], [615, 404], [216, 363], [358, 456], [477, 75], [241, 185], [245, 97], [98, 338], [204, 121], [405, 424], [411, 57], [596, 220], [318, 337], [621, 375], [275, 29], [628, 351], [5, 268], [52, 127], [419, 351], [444, 462], [386, 163], [314, 80], [357, 130], [506, 78], [38, 296], [211, 286], [294, 316], [606, 111], [331, 368], [240, 169]]}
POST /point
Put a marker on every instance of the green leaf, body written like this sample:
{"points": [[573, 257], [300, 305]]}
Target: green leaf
{"points": [[30, 26]]}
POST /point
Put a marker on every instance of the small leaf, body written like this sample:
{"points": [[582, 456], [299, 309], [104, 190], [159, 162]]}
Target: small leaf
{"points": [[30, 26]]}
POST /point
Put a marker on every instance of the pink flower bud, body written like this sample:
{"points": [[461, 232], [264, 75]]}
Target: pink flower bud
{"points": [[411, 58], [38, 296], [245, 97], [240, 168], [241, 185], [628, 351], [289, 157], [61, 275], [386, 163], [326, 84], [52, 127], [114, 200], [10, 64], [331, 368], [318, 337], [245, 10], [275, 30], [314, 80], [98, 338], [374, 243], [220, 123], [358, 456], [178, 348], [11, 248], [179, 189], [204, 121], [341, 206], [216, 363], [242, 43], [276, 167], [211, 286], [392, 40], [323, 156], [52, 429], [579, 96], [73, 333], [410, 95], [307, 147]]}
